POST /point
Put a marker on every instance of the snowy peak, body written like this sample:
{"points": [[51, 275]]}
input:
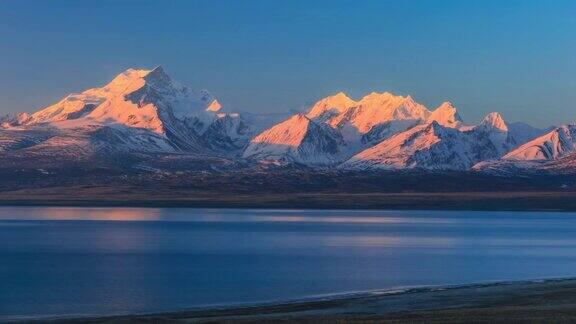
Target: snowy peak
{"points": [[494, 128], [214, 106], [398, 151], [291, 132], [159, 80], [157, 74], [334, 104], [132, 80], [446, 115], [297, 139], [78, 105], [377, 108], [551, 146], [427, 146], [130, 75], [146, 111], [141, 101], [494, 121], [125, 78], [378, 116], [136, 98], [385, 100]]}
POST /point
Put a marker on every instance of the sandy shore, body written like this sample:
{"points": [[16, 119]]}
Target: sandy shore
{"points": [[550, 301]]}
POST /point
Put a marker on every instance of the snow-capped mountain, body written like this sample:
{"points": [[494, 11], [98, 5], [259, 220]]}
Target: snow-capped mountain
{"points": [[135, 98], [495, 129], [373, 109], [520, 133], [378, 116], [298, 139], [553, 145], [145, 112], [376, 108], [327, 108], [446, 115], [440, 147], [554, 152], [427, 146], [141, 111], [392, 132], [353, 126]]}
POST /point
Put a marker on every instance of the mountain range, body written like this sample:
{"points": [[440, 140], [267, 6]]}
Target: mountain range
{"points": [[144, 119]]}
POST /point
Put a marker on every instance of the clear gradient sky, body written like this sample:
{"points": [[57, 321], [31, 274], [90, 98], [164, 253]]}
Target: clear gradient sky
{"points": [[515, 56]]}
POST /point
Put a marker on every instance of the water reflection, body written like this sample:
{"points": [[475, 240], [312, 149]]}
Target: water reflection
{"points": [[110, 260], [208, 215], [74, 213], [343, 219], [389, 241]]}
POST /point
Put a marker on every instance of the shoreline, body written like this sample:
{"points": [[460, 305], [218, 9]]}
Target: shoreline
{"points": [[470, 201], [107, 204], [541, 300]]}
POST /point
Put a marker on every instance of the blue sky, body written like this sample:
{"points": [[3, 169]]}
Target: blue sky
{"points": [[516, 57]]}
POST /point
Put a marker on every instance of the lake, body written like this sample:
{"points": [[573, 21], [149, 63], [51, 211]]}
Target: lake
{"points": [[93, 261]]}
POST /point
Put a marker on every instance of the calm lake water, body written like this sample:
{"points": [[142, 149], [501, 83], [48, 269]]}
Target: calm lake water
{"points": [[81, 261]]}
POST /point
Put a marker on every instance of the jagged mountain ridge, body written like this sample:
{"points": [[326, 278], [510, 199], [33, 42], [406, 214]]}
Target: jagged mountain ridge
{"points": [[554, 151], [298, 139], [139, 111], [553, 145], [427, 146], [361, 124], [453, 145], [145, 111]]}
